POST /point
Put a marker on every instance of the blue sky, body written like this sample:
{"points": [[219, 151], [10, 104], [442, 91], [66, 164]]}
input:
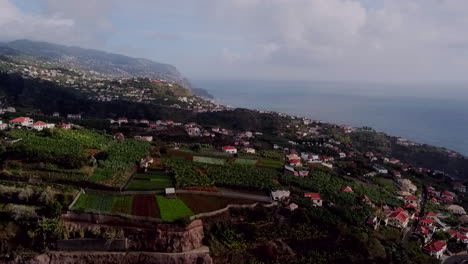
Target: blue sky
{"points": [[344, 40]]}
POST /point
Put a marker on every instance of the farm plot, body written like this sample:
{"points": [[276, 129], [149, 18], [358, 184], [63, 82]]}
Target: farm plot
{"points": [[153, 180], [275, 164], [248, 162], [123, 204], [145, 205], [172, 209], [208, 160], [205, 203], [95, 202]]}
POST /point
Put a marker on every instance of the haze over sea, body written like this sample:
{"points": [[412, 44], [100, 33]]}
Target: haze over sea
{"points": [[435, 114]]}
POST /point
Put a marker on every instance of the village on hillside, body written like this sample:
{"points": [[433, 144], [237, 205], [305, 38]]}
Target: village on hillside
{"points": [[430, 212]]}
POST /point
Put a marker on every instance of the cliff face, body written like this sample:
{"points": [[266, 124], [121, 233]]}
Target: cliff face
{"points": [[200, 256]]}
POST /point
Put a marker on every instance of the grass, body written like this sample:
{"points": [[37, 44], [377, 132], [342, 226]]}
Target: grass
{"points": [[270, 163], [172, 209], [101, 173], [209, 160], [249, 162], [151, 181], [386, 183]]}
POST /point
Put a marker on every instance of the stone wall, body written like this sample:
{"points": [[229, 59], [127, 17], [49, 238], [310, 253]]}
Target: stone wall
{"points": [[200, 256]]}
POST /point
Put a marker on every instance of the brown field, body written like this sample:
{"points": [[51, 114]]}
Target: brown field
{"points": [[205, 203], [181, 154], [145, 205]]}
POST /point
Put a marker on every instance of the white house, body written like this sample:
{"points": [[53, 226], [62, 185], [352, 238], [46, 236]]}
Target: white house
{"points": [[74, 116], [280, 195], [249, 150], [3, 126], [21, 121], [380, 169], [436, 248], [315, 197], [230, 149], [398, 219], [39, 125]]}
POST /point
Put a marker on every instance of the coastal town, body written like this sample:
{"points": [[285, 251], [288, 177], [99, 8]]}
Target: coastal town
{"points": [[435, 216]]}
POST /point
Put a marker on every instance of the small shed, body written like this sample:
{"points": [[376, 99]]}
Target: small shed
{"points": [[170, 193]]}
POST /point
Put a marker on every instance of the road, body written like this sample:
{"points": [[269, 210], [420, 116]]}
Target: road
{"points": [[460, 259]]}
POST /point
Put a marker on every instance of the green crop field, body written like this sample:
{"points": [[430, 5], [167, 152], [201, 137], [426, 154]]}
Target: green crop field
{"points": [[100, 173], [151, 181], [209, 160], [172, 209], [123, 204], [270, 163], [249, 162], [104, 203]]}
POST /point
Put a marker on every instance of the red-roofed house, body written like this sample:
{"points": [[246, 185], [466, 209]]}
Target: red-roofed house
{"points": [[347, 189], [39, 125], [436, 248], [315, 197], [21, 121], [424, 232], [230, 149], [411, 200], [431, 215], [398, 219], [426, 221], [460, 237]]}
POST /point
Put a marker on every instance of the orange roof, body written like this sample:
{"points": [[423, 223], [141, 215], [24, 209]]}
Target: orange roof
{"points": [[347, 189], [229, 147]]}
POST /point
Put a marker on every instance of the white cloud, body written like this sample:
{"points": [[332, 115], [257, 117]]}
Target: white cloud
{"points": [[15, 24]]}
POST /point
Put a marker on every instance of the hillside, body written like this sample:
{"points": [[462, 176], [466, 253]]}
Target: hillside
{"points": [[91, 60]]}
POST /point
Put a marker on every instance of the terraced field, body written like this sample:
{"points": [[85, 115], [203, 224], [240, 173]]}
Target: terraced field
{"points": [[248, 162], [153, 180], [209, 160], [145, 205], [172, 209]]}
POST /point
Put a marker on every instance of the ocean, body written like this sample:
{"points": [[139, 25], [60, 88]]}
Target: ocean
{"points": [[435, 114]]}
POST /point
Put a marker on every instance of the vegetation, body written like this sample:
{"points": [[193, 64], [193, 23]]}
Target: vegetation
{"points": [[172, 209], [151, 181]]}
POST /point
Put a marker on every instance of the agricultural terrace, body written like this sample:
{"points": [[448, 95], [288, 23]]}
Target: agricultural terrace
{"points": [[155, 206], [247, 162], [172, 209], [152, 180], [66, 154], [232, 175], [209, 160]]}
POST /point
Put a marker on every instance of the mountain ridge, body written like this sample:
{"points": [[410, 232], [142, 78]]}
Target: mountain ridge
{"points": [[93, 60]]}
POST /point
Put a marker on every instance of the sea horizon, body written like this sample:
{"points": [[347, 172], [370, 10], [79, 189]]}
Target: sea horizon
{"points": [[434, 118]]}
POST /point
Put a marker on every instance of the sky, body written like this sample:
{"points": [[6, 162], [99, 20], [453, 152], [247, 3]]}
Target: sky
{"points": [[341, 40]]}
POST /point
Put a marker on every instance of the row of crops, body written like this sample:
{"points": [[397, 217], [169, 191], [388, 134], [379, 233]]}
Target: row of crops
{"points": [[71, 150], [156, 206], [234, 175]]}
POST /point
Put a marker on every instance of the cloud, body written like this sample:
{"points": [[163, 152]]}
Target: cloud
{"points": [[15, 24]]}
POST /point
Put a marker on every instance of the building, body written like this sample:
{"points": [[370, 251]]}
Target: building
{"points": [[145, 138], [436, 248], [249, 150], [456, 209], [74, 116], [39, 125], [3, 126], [292, 206], [347, 189], [230, 149], [56, 114], [21, 121], [380, 169], [411, 200], [398, 219], [170, 192], [280, 195], [315, 197], [459, 187], [122, 120]]}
